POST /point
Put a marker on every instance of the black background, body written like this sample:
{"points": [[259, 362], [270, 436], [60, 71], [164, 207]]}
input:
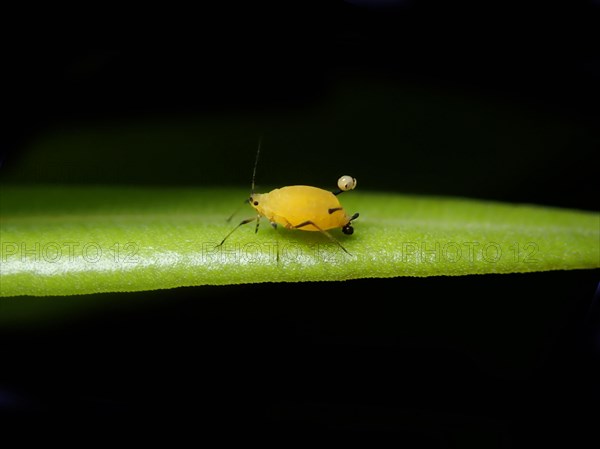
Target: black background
{"points": [[437, 98], [482, 361]]}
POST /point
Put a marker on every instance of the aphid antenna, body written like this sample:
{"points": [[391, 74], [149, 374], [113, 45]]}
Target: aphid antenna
{"points": [[255, 165], [247, 200]]}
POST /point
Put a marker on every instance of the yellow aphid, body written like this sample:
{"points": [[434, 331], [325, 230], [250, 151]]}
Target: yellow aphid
{"points": [[304, 208]]}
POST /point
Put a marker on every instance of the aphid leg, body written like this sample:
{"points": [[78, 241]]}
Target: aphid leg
{"points": [[274, 225], [327, 234], [243, 222], [257, 223], [347, 228]]}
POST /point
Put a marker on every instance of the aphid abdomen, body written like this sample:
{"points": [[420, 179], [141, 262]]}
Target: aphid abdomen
{"points": [[293, 205]]}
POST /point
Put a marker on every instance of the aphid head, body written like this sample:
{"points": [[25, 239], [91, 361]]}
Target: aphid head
{"points": [[255, 200], [346, 183]]}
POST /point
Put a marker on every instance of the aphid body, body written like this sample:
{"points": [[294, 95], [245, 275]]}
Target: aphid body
{"points": [[301, 207]]}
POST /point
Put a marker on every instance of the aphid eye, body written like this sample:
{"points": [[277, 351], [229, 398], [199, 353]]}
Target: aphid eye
{"points": [[255, 203], [346, 183]]}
